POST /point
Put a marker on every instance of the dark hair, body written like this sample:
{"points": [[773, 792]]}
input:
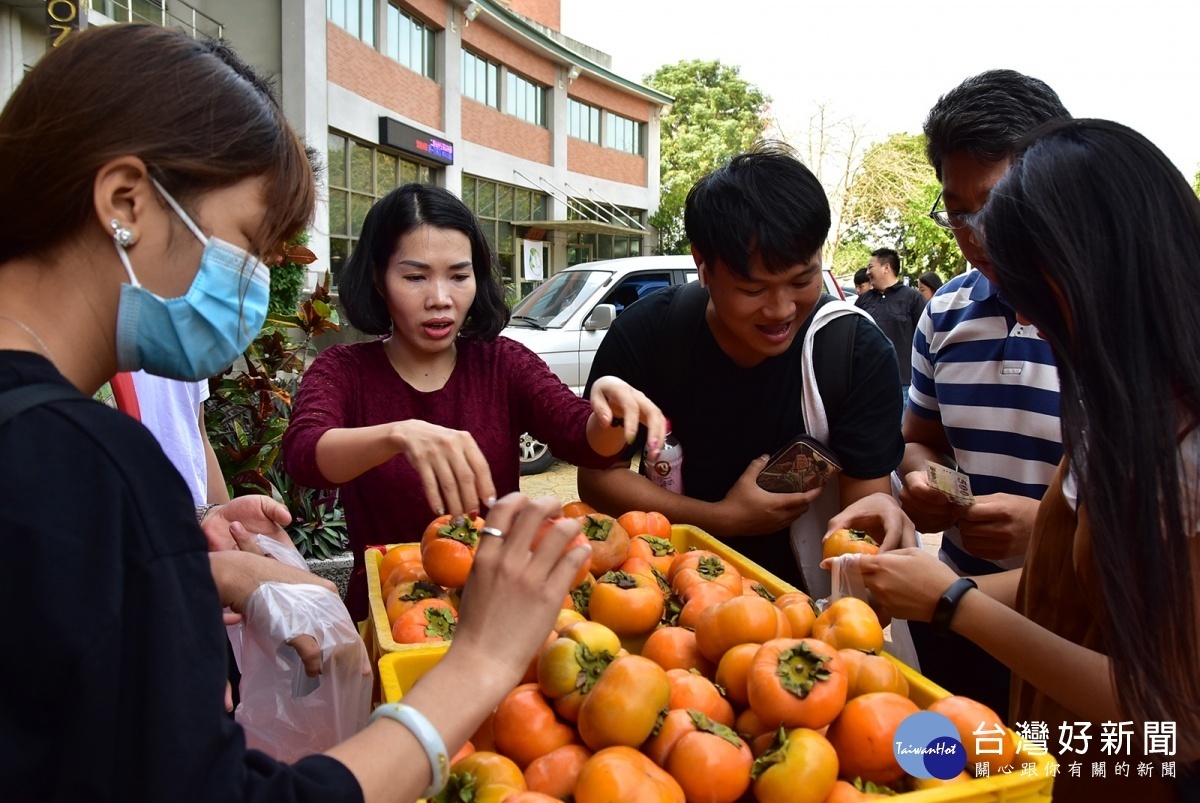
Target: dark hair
{"points": [[1090, 221], [886, 256], [197, 116], [930, 280], [764, 201], [396, 214], [860, 276], [987, 115]]}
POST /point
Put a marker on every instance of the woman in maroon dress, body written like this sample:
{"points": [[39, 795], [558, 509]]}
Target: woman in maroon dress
{"points": [[426, 420]]}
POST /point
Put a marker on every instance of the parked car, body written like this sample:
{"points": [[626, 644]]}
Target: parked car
{"points": [[566, 317]]}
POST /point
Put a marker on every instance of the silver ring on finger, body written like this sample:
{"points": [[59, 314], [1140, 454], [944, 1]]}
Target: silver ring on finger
{"points": [[492, 531]]}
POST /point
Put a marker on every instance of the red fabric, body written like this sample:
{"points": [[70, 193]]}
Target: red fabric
{"points": [[497, 391], [125, 395]]}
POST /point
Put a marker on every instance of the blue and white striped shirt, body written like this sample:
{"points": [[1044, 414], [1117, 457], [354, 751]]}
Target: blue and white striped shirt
{"points": [[993, 385]]}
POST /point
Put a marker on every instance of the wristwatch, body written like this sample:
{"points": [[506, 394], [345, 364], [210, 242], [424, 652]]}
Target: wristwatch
{"points": [[943, 612]]}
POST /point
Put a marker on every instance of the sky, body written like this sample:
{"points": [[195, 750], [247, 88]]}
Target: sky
{"points": [[883, 64]]}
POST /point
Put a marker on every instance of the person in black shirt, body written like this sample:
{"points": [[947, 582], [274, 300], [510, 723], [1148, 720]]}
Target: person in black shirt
{"points": [[740, 384], [113, 683], [895, 306]]}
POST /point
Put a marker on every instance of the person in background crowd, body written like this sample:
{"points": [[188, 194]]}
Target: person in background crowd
{"points": [[113, 690], [428, 419], [928, 284], [747, 360], [862, 282], [895, 306], [1100, 626], [984, 396]]}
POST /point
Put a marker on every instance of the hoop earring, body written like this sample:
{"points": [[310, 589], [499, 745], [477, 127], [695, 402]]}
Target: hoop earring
{"points": [[122, 235]]}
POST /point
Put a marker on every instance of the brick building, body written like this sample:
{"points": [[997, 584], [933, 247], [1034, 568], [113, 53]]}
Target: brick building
{"points": [[533, 130]]}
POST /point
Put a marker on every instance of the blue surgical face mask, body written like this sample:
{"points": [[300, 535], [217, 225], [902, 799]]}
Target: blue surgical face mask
{"points": [[202, 332]]}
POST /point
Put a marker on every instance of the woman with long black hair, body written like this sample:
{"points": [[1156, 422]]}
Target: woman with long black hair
{"points": [[1101, 624]]}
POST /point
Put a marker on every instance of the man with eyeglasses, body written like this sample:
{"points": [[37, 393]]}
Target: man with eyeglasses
{"points": [[984, 394]]}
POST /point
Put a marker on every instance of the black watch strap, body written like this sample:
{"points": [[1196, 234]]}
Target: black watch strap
{"points": [[943, 612]]}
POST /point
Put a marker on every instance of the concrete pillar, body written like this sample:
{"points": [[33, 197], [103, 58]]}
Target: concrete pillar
{"points": [[450, 72], [559, 126], [305, 93]]}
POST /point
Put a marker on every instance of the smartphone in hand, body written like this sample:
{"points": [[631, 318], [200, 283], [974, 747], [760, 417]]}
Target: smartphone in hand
{"points": [[801, 465]]}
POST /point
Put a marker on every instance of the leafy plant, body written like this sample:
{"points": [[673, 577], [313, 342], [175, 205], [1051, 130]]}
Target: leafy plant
{"points": [[249, 408], [318, 527]]}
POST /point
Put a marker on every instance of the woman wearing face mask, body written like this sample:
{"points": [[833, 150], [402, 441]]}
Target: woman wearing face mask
{"points": [[134, 219], [427, 419], [1101, 624]]}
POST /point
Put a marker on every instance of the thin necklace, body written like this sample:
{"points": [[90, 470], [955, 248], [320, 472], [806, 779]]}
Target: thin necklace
{"points": [[34, 335]]}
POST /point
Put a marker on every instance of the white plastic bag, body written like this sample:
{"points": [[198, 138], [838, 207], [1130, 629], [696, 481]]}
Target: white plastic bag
{"points": [[847, 581], [285, 713]]}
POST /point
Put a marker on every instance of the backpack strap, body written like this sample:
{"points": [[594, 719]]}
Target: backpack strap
{"points": [[681, 327], [16, 401], [834, 362]]}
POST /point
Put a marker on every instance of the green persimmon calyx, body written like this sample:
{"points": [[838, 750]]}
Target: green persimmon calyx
{"points": [[862, 535], [619, 579], [659, 546], [423, 589], [705, 724], [710, 568], [762, 591], [591, 666], [597, 529], [461, 529], [775, 754], [800, 669], [440, 623]]}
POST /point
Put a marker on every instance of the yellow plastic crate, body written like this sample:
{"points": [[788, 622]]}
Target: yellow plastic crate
{"points": [[378, 638], [403, 665]]}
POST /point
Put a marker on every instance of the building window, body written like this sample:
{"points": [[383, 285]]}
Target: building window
{"points": [[411, 42], [356, 17], [499, 207], [359, 175], [480, 79], [583, 121], [588, 247], [526, 100], [624, 134]]}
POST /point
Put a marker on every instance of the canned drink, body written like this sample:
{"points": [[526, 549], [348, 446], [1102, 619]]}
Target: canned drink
{"points": [[667, 470]]}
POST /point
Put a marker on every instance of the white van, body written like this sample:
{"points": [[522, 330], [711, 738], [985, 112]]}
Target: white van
{"points": [[566, 317]]}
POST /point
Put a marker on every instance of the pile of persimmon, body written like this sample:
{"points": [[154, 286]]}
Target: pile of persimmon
{"points": [[671, 677]]}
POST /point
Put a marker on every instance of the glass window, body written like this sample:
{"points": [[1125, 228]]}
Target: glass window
{"points": [[584, 121], [485, 198], [504, 202], [521, 210], [624, 134], [356, 17], [410, 41], [497, 206], [385, 172], [480, 79], [337, 161], [526, 100]]}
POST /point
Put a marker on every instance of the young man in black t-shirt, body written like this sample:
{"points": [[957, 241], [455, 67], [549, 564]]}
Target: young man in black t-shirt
{"points": [[895, 306], [735, 391]]}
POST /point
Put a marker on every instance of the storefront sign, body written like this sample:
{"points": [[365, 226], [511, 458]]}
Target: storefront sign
{"points": [[531, 260], [63, 18], [395, 134]]}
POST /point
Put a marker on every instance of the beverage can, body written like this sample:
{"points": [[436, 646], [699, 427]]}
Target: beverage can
{"points": [[667, 471]]}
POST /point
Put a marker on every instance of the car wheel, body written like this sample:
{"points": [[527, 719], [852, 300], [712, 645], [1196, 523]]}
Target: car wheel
{"points": [[535, 455]]}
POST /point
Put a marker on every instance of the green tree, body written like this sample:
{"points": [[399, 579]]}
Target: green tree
{"points": [[1196, 184], [716, 115], [887, 205]]}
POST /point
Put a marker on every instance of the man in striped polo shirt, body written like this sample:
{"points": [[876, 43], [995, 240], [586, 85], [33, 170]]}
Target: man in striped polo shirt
{"points": [[984, 393]]}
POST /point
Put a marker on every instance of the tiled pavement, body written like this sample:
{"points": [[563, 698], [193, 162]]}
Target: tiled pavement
{"points": [[559, 480]]}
